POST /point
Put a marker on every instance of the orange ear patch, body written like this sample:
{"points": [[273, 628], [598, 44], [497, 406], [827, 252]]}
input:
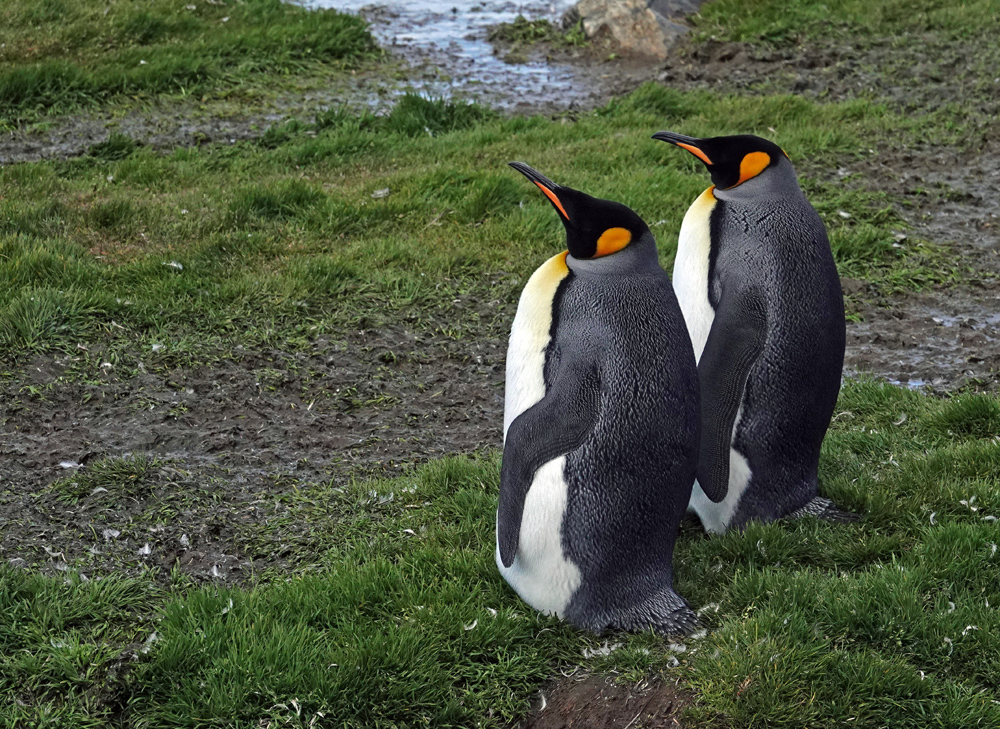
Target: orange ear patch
{"points": [[555, 201], [696, 152], [752, 165], [611, 241]]}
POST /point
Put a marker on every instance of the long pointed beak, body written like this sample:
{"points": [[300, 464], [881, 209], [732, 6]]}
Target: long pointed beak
{"points": [[546, 185], [685, 142], [675, 138]]}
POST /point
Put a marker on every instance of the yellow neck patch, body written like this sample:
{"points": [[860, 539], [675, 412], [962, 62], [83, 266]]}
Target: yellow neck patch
{"points": [[611, 241], [752, 165]]}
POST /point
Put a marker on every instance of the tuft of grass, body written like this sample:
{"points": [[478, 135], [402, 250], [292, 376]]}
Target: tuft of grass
{"points": [[273, 203], [37, 315], [115, 147], [60, 55], [130, 476], [415, 115], [521, 32], [969, 415], [65, 643]]}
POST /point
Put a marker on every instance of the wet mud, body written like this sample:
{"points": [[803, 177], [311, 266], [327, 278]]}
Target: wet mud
{"points": [[224, 441], [947, 337], [596, 702]]}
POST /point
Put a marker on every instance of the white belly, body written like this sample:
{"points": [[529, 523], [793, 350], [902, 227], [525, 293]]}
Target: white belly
{"points": [[690, 276], [690, 280], [529, 337], [540, 573], [716, 517]]}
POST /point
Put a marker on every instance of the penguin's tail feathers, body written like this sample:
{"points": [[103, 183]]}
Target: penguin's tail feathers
{"points": [[665, 612], [826, 510]]}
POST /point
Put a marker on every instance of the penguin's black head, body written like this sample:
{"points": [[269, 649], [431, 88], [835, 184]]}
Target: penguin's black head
{"points": [[594, 227], [730, 160]]}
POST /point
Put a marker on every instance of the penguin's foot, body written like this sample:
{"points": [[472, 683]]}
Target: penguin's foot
{"points": [[682, 621], [666, 613], [826, 510]]}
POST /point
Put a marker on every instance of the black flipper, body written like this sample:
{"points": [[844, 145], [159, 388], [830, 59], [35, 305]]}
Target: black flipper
{"points": [[733, 346], [554, 426]]}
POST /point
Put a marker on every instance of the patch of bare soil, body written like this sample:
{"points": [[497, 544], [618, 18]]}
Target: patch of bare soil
{"points": [[923, 74], [947, 337], [596, 702], [227, 441]]}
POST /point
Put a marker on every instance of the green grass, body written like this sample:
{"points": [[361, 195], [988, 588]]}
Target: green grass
{"points": [[524, 32], [398, 617], [61, 54], [123, 477], [317, 225], [785, 21]]}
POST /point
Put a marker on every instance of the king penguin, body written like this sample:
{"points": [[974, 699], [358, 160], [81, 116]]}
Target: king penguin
{"points": [[761, 297], [600, 426]]}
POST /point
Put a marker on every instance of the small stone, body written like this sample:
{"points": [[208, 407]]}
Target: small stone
{"points": [[632, 27]]}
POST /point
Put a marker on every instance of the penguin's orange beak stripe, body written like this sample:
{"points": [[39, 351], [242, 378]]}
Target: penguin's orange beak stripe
{"points": [[552, 196], [695, 151]]}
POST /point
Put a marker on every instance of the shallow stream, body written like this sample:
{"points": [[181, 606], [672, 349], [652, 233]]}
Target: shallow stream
{"points": [[447, 44]]}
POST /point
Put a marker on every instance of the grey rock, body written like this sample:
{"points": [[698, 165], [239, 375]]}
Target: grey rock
{"points": [[645, 28]]}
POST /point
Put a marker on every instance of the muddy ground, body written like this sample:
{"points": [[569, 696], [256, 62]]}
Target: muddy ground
{"points": [[229, 440], [598, 702]]}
